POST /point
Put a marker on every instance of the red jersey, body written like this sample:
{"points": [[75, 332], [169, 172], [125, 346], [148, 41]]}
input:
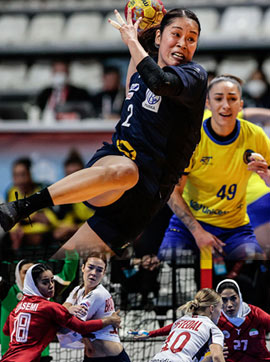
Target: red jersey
{"points": [[247, 342], [33, 324]]}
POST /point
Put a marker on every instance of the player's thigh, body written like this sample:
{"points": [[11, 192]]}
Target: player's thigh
{"points": [[118, 162], [242, 244], [262, 233]]}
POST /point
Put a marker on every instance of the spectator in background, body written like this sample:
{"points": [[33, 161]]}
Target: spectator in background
{"points": [[258, 89], [27, 233], [62, 100], [71, 216], [138, 275], [108, 102]]}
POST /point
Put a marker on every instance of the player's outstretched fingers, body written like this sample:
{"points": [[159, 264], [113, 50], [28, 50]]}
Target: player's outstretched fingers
{"points": [[119, 18], [114, 24], [136, 25], [129, 16]]}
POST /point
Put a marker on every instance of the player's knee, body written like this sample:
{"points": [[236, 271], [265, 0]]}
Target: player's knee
{"points": [[126, 175]]}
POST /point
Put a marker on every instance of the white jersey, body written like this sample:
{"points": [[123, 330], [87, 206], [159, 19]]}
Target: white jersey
{"points": [[99, 304], [189, 340]]}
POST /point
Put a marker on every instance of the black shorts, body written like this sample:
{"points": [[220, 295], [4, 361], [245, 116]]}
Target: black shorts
{"points": [[122, 357], [125, 219]]}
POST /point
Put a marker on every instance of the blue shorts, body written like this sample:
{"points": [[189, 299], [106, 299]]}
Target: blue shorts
{"points": [[125, 219], [122, 357], [259, 211], [240, 242]]}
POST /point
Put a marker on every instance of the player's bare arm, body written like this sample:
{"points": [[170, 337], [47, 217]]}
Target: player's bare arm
{"points": [[216, 352], [182, 211]]}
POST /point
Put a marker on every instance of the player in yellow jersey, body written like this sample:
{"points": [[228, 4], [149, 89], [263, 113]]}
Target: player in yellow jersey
{"points": [[210, 201], [258, 193]]}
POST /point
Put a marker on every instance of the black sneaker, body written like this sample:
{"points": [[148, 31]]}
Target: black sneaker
{"points": [[12, 212]]}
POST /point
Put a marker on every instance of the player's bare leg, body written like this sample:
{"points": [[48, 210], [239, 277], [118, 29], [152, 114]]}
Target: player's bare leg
{"points": [[103, 183], [262, 233], [110, 176]]}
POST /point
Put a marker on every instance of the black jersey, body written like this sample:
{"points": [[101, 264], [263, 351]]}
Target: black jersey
{"points": [[160, 133]]}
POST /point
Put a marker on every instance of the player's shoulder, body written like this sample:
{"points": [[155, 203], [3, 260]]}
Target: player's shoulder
{"points": [[101, 291], [196, 67], [191, 70], [98, 294], [248, 126], [257, 311]]}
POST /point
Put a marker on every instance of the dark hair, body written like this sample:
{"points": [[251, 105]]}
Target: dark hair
{"points": [[98, 255], [73, 157], [39, 269], [226, 78], [228, 285], [25, 161], [147, 37], [23, 262]]}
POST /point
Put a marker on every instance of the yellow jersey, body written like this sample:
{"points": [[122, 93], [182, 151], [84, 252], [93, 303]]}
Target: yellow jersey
{"points": [[218, 176], [256, 187]]}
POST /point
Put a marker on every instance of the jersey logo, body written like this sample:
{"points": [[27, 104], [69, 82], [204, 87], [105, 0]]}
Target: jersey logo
{"points": [[226, 334], [253, 332], [134, 87], [19, 296], [205, 210], [151, 102], [129, 95], [246, 155], [197, 69], [126, 148], [206, 160], [238, 330]]}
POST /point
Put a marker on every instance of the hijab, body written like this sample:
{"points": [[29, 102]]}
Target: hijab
{"points": [[30, 288], [244, 308], [18, 279]]}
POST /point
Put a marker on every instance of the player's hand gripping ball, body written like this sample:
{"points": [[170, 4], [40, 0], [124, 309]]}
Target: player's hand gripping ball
{"points": [[151, 12]]}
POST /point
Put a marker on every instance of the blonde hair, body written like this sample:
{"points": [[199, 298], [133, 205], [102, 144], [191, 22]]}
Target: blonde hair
{"points": [[202, 300]]}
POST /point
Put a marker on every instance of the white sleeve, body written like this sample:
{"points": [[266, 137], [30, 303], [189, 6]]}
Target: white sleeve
{"points": [[217, 336], [71, 299]]}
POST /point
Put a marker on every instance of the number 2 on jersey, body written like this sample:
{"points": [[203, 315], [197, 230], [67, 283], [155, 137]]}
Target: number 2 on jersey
{"points": [[169, 344], [130, 110]]}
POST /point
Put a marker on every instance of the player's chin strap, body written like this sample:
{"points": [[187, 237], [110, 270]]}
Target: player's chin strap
{"points": [[16, 204]]}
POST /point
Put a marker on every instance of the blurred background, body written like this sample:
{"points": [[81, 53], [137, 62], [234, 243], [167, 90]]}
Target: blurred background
{"points": [[63, 66], [62, 76]]}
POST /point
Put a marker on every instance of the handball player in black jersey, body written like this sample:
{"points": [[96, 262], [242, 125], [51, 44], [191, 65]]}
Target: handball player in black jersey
{"points": [[129, 180]]}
